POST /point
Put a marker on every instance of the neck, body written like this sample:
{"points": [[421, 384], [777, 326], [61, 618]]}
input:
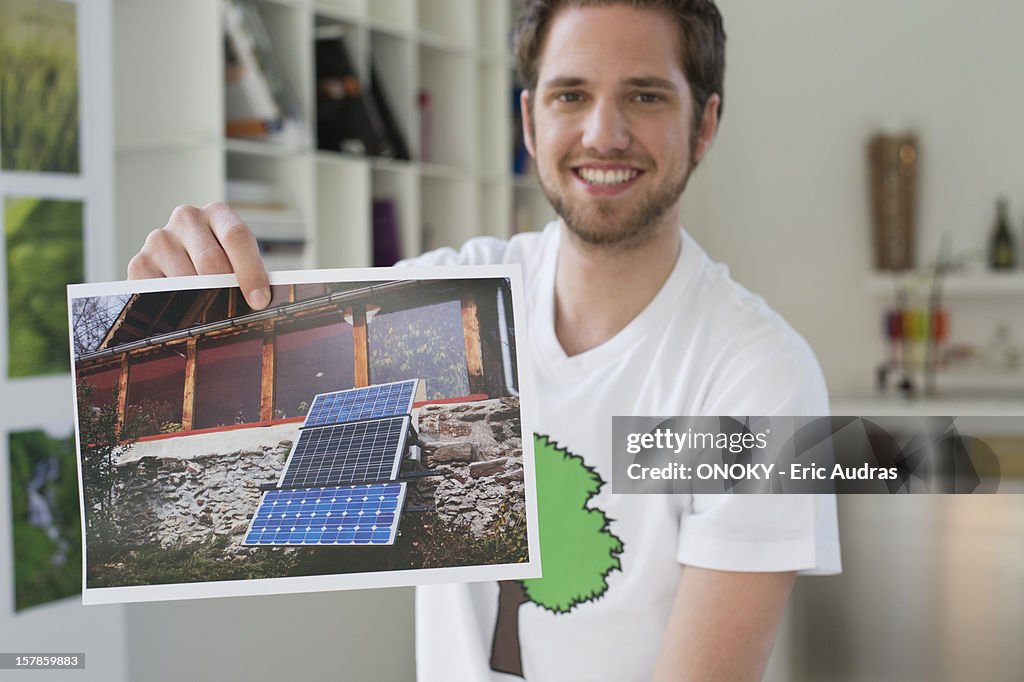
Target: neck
{"points": [[599, 290]]}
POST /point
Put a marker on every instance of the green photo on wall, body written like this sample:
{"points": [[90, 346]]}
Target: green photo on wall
{"points": [[44, 254], [47, 550], [39, 122]]}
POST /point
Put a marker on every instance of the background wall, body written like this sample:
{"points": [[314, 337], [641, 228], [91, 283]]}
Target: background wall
{"points": [[783, 196]]}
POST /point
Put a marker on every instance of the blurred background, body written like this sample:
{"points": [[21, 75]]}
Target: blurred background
{"points": [[855, 184]]}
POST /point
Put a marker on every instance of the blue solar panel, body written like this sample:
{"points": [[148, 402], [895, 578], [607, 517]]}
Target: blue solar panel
{"points": [[339, 515], [372, 402], [347, 453]]}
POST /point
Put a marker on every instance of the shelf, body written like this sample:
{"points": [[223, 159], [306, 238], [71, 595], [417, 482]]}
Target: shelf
{"points": [[455, 50], [167, 143], [261, 148], [943, 406], [953, 285]]}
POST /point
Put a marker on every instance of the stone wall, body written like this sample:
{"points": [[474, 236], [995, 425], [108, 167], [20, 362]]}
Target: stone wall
{"points": [[478, 448], [172, 501], [173, 498]]}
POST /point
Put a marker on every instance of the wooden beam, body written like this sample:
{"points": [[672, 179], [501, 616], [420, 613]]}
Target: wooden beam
{"points": [[267, 373], [484, 361], [198, 307], [361, 345], [474, 350], [233, 302], [188, 406], [122, 393]]}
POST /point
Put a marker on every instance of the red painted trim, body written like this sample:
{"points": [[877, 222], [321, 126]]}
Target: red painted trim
{"points": [[219, 429], [473, 397]]}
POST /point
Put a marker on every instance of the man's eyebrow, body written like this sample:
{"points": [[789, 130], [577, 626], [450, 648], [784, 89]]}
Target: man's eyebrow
{"points": [[655, 82], [651, 82], [564, 82]]}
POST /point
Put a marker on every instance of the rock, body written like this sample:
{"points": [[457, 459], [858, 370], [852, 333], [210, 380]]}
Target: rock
{"points": [[509, 476], [452, 452], [504, 413], [490, 468]]}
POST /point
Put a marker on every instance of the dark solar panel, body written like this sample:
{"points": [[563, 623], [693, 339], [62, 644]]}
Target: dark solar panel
{"points": [[372, 402], [347, 453], [339, 515]]}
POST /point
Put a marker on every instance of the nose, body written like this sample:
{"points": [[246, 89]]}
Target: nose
{"points": [[605, 129]]}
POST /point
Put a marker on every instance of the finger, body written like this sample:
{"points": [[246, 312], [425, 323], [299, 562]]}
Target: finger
{"points": [[205, 252], [239, 245], [141, 266], [165, 253]]}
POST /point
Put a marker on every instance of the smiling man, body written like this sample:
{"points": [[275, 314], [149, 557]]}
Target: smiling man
{"points": [[627, 316]]}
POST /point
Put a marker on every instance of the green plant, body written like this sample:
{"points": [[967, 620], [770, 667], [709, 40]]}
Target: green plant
{"points": [[39, 128], [204, 561]]}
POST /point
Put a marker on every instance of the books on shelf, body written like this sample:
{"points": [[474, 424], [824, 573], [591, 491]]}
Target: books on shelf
{"points": [[387, 238], [258, 100], [283, 255], [280, 229], [272, 224]]}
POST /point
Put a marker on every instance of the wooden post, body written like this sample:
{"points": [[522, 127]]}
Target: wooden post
{"points": [[471, 335], [122, 392], [267, 375], [360, 345], [188, 405], [483, 342]]}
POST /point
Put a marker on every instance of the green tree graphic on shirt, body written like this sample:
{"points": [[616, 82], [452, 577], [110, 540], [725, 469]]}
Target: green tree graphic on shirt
{"points": [[577, 549]]}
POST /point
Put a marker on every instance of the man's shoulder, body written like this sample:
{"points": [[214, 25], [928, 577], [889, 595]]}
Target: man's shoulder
{"points": [[750, 352], [726, 306], [520, 248]]}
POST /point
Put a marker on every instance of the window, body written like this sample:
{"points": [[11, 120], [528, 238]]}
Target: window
{"points": [[228, 382], [425, 342], [156, 391], [312, 360], [104, 385]]}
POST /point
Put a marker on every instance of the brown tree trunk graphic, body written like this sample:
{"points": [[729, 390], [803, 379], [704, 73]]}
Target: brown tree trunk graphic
{"points": [[505, 654]]}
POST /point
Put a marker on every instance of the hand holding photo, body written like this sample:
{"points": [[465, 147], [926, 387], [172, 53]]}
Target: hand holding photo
{"points": [[361, 431]]}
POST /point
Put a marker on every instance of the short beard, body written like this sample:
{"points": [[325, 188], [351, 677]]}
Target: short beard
{"points": [[634, 230]]}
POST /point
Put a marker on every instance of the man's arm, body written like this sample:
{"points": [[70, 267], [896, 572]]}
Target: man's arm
{"points": [[722, 625]]}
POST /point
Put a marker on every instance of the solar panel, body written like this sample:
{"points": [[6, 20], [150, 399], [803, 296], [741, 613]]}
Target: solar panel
{"points": [[372, 402], [346, 453], [339, 515]]}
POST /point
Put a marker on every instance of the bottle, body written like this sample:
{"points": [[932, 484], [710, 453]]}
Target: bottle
{"points": [[1002, 254]]}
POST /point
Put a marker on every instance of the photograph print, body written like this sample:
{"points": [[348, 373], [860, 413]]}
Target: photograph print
{"points": [[363, 430]]}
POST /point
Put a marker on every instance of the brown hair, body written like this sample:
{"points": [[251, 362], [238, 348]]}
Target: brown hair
{"points": [[700, 29]]}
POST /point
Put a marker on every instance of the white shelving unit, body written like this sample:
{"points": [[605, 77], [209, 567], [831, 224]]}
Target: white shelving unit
{"points": [[954, 285], [171, 148], [977, 302]]}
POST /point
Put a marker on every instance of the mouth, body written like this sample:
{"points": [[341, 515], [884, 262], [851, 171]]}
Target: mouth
{"points": [[607, 178]]}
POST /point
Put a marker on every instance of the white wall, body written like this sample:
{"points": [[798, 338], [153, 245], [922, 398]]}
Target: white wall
{"points": [[783, 197], [356, 635], [45, 402]]}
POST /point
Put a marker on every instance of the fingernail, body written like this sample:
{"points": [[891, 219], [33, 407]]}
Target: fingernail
{"points": [[259, 298]]}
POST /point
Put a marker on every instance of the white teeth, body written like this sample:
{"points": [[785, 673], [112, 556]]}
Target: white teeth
{"points": [[607, 177]]}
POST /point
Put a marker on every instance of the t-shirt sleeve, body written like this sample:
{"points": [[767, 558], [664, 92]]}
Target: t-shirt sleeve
{"points": [[781, 532]]}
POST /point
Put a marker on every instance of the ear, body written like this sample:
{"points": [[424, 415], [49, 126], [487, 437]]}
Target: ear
{"points": [[708, 127], [524, 109]]}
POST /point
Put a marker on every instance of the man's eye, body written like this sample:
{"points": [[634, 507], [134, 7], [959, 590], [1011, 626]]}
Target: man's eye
{"points": [[648, 97], [569, 97]]}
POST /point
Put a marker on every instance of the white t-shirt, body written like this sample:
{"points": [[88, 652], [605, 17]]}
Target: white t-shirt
{"points": [[703, 346]]}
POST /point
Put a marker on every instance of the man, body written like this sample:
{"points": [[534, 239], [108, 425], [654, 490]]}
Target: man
{"points": [[627, 315]]}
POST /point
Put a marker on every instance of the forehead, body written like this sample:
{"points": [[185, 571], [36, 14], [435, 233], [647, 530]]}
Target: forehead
{"points": [[613, 41]]}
